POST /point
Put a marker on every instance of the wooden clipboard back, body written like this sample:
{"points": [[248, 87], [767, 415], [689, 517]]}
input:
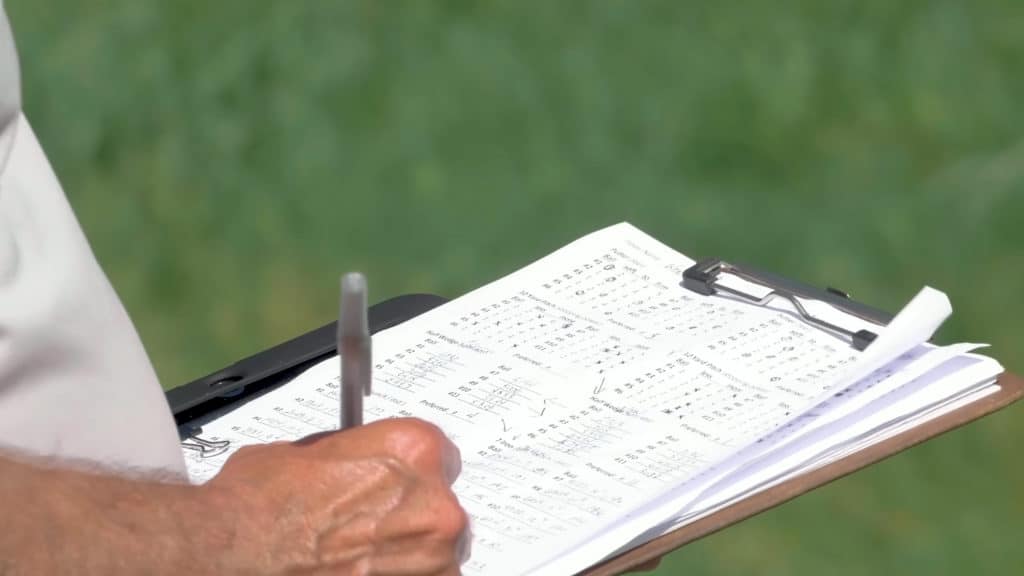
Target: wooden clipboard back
{"points": [[1011, 390]]}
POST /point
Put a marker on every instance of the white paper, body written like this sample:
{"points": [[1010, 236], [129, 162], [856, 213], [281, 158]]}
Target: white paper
{"points": [[923, 397], [767, 478], [584, 391], [911, 327]]}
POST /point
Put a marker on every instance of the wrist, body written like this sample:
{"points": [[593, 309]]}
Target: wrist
{"points": [[134, 526], [217, 511], [114, 525]]}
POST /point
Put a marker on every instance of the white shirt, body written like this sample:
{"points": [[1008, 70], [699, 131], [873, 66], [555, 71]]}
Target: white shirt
{"points": [[75, 382]]}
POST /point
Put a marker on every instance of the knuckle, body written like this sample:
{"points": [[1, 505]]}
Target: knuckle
{"points": [[418, 429], [451, 520], [419, 436]]}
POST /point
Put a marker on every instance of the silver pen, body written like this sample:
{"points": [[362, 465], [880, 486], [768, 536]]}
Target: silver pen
{"points": [[354, 349]]}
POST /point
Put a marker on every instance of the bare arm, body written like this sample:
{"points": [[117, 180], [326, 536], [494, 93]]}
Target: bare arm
{"points": [[62, 521], [376, 499]]}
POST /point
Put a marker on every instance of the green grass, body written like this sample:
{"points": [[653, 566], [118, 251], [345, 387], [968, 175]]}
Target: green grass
{"points": [[229, 159]]}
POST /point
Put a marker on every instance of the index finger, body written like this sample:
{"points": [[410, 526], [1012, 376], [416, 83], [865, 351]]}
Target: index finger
{"points": [[416, 443], [425, 446]]}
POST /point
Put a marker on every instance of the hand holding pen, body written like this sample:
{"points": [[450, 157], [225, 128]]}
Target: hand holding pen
{"points": [[394, 475]]}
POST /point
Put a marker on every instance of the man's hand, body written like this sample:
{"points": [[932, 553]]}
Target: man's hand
{"points": [[372, 500], [375, 500]]}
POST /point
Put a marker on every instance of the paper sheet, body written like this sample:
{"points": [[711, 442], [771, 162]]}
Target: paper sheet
{"points": [[927, 395], [911, 327], [579, 389]]}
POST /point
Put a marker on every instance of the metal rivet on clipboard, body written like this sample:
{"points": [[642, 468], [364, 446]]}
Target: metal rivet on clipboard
{"points": [[702, 278]]}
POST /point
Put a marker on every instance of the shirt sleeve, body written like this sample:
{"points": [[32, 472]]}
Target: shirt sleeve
{"points": [[75, 381]]}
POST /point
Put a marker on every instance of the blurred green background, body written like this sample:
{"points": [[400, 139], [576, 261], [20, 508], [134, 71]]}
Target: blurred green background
{"points": [[229, 159]]}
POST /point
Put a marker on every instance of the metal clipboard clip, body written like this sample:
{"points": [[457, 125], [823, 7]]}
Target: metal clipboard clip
{"points": [[205, 448], [703, 278]]}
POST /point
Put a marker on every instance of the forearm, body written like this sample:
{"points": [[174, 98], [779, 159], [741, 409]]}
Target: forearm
{"points": [[62, 521]]}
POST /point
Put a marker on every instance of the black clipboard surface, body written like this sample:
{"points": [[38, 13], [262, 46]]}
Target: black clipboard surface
{"points": [[275, 366]]}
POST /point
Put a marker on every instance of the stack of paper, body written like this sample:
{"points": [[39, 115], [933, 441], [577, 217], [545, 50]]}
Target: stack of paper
{"points": [[598, 404]]}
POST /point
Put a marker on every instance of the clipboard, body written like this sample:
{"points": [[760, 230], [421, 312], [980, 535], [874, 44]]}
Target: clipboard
{"points": [[266, 370]]}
